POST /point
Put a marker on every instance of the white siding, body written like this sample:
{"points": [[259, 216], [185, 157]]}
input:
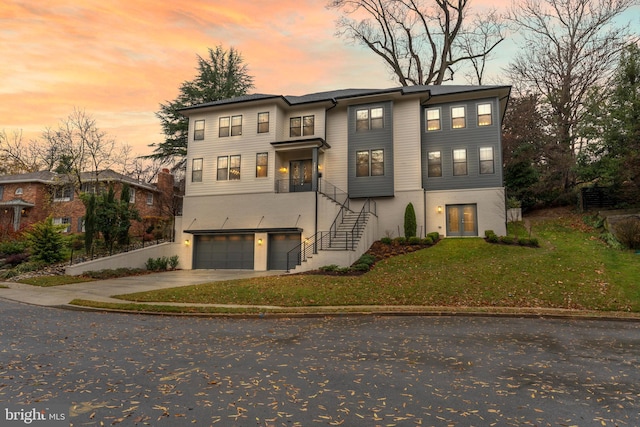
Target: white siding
{"points": [[406, 145], [335, 159]]}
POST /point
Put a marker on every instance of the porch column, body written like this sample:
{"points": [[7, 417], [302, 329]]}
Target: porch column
{"points": [[16, 217], [314, 169]]}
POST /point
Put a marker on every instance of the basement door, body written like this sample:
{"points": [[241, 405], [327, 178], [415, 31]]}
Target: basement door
{"points": [[462, 220], [224, 251]]}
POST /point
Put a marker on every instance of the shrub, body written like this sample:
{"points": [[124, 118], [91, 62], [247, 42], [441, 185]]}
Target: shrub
{"points": [[173, 262], [366, 259], [400, 240], [493, 238], [331, 267], [113, 273], [627, 231], [157, 264], [507, 240], [427, 241], [342, 269], [46, 242], [410, 224], [414, 240], [361, 267], [524, 241], [26, 267], [534, 242], [8, 274], [488, 233], [16, 259], [435, 236], [12, 247], [386, 240]]}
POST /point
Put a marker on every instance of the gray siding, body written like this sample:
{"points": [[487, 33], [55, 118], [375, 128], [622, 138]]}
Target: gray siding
{"points": [[371, 186], [471, 138]]}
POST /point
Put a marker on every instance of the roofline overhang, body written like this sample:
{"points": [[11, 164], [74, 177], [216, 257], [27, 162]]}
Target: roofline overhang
{"points": [[300, 143]]}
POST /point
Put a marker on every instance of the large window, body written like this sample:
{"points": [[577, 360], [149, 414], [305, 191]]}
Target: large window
{"points": [[198, 130], [433, 119], [63, 193], [486, 160], [369, 118], [228, 168], [132, 195], [370, 163], [263, 122], [434, 164], [66, 221], [484, 114], [230, 126], [458, 118], [459, 162], [196, 170], [301, 126], [262, 162]]}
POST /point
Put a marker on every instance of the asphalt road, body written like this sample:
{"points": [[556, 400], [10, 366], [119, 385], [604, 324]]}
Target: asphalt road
{"points": [[121, 369]]}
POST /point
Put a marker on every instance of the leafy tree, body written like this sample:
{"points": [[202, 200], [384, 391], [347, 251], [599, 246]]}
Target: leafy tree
{"points": [[113, 216], [421, 42], [46, 241], [221, 75], [410, 224], [613, 127], [89, 201], [568, 47]]}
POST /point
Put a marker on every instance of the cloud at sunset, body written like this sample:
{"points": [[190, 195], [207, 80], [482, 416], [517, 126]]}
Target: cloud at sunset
{"points": [[119, 59]]}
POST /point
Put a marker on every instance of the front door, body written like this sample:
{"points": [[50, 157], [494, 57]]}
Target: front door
{"points": [[462, 220], [300, 175]]}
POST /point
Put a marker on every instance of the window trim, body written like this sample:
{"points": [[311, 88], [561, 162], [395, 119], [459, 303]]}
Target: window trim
{"points": [[233, 169], [224, 131], [259, 171], [465, 162], [61, 197], [482, 161], [295, 131], [229, 174], [132, 195], [370, 169], [262, 123], [196, 177], [370, 120], [308, 130], [236, 129], [463, 117], [439, 119], [489, 114], [198, 133], [149, 198]]}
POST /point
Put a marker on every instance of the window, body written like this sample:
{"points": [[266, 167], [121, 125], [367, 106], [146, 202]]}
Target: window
{"points": [[92, 187], [132, 195], [223, 128], [301, 126], [486, 160], [458, 120], [19, 191], [370, 163], [150, 199], [63, 194], [262, 161], [1, 191], [63, 221], [484, 114], [263, 122], [434, 164], [228, 168], [433, 119], [196, 170], [369, 118], [236, 125], [459, 162], [81, 228], [198, 130]]}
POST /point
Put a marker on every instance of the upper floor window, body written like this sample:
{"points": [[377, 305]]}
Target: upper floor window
{"points": [[196, 170], [230, 126], [149, 198], [370, 163], [198, 130], [486, 160], [1, 191], [262, 162], [434, 164], [19, 191], [92, 187], [459, 162], [484, 114], [302, 126], [263, 122], [228, 168], [433, 119], [63, 193], [132, 195], [458, 118], [369, 118]]}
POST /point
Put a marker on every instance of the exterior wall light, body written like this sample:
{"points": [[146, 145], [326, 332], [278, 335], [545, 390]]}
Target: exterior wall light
{"points": [[259, 242], [439, 209], [187, 242]]}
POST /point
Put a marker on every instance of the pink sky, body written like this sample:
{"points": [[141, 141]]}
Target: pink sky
{"points": [[119, 59]]}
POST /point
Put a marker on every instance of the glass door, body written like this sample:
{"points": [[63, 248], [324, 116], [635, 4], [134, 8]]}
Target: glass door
{"points": [[462, 220], [300, 175]]}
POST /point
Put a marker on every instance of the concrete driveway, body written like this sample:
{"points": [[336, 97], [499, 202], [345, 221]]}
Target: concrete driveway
{"points": [[102, 290]]}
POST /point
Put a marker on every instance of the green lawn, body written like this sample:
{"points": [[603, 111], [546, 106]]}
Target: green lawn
{"points": [[572, 269]]}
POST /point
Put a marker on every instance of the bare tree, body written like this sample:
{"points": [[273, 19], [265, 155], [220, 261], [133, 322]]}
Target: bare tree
{"points": [[17, 156], [568, 47], [421, 41]]}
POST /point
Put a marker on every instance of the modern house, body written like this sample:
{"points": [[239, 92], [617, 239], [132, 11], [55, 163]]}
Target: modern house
{"points": [[31, 197], [297, 182]]}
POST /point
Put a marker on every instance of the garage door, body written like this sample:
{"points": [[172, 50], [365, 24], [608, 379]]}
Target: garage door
{"points": [[279, 246], [224, 251]]}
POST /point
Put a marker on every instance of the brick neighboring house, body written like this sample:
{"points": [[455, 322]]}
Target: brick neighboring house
{"points": [[29, 198]]}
